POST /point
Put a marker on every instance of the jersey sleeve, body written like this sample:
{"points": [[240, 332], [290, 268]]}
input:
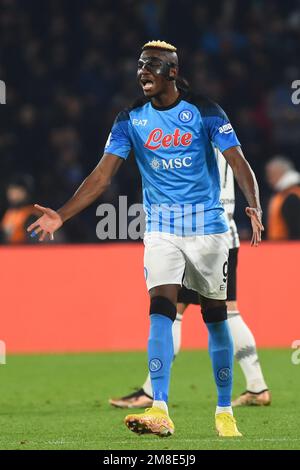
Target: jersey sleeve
{"points": [[218, 126], [119, 142]]}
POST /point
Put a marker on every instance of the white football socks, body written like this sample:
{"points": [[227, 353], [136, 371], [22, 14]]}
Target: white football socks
{"points": [[224, 409], [245, 352], [161, 405]]}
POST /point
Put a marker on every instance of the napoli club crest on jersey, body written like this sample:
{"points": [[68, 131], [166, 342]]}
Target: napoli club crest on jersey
{"points": [[186, 115]]}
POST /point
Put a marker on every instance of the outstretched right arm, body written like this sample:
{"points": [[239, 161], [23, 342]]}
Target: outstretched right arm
{"points": [[90, 189]]}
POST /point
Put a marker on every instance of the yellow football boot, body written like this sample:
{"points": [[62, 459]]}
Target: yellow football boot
{"points": [[226, 425], [152, 421]]}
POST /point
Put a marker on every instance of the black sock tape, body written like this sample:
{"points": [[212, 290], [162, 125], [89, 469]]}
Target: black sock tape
{"points": [[215, 314], [163, 306]]}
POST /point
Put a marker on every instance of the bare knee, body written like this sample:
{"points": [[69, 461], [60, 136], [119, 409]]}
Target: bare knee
{"points": [[163, 300], [169, 291]]}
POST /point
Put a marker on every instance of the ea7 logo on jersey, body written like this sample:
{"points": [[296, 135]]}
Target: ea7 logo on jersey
{"points": [[226, 129], [139, 122]]}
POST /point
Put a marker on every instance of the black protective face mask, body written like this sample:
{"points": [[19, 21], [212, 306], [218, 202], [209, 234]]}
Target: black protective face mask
{"points": [[156, 66]]}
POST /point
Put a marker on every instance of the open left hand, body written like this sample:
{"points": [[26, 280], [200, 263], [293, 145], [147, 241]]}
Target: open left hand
{"points": [[257, 226], [46, 225]]}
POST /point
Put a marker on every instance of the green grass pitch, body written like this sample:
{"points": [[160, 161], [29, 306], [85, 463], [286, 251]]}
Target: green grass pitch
{"points": [[60, 402]]}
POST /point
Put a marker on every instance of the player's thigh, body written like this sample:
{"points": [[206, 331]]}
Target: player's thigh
{"points": [[169, 291], [164, 263], [188, 296]]}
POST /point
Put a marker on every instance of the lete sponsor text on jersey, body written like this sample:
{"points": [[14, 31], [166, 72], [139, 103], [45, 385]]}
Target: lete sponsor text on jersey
{"points": [[158, 139]]}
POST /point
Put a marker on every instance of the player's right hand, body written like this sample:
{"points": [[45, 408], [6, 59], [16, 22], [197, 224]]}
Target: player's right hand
{"points": [[257, 227], [46, 225]]}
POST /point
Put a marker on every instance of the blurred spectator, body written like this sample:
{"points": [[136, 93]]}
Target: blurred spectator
{"points": [[20, 212], [284, 207]]}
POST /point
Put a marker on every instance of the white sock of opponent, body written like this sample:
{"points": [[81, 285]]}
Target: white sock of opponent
{"points": [[176, 330], [245, 352]]}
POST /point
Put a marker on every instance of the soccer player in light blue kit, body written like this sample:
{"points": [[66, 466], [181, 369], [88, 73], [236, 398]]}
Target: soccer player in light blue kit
{"points": [[173, 134]]}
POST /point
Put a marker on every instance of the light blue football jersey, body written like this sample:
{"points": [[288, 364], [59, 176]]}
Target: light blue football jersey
{"points": [[174, 150]]}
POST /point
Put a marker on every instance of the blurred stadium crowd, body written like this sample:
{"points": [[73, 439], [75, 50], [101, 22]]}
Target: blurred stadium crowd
{"points": [[70, 65]]}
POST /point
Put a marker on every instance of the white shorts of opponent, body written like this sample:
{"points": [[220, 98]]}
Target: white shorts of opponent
{"points": [[198, 262]]}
